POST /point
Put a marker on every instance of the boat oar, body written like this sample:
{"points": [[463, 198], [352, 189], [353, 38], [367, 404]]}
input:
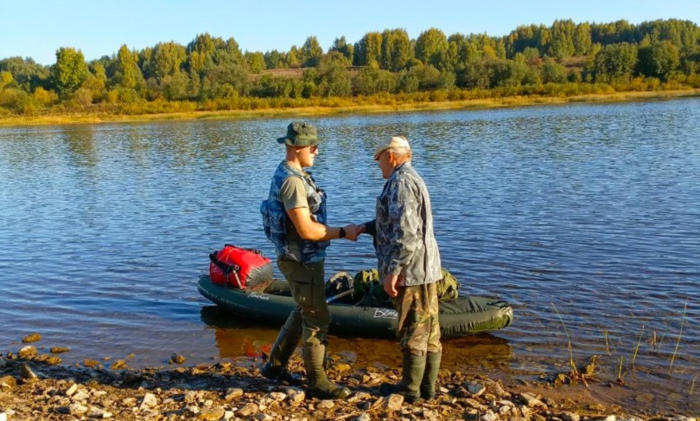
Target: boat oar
{"points": [[342, 294]]}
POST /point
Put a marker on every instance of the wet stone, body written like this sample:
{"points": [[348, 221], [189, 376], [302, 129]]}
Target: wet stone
{"points": [[177, 359], [117, 365], [53, 360], [27, 373], [34, 337], [475, 389], [27, 352], [90, 363], [59, 349]]}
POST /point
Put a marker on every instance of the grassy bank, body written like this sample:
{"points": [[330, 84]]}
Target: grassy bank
{"points": [[331, 108]]}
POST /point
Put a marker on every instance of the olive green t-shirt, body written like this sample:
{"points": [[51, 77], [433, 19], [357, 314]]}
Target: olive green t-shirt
{"points": [[293, 195]]}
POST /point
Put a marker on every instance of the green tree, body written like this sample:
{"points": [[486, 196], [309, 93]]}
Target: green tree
{"points": [[256, 61], [294, 57], [311, 52], [615, 62], [96, 81], [396, 49], [582, 39], [659, 60], [553, 72], [341, 45], [333, 76], [6, 79], [26, 72], [175, 86], [129, 74], [562, 42], [368, 50], [70, 70], [168, 59], [431, 48], [274, 60]]}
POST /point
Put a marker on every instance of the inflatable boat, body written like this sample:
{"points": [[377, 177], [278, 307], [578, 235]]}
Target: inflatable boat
{"points": [[461, 317]]}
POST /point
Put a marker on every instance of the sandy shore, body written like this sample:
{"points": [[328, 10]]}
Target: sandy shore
{"points": [[38, 386], [472, 104]]}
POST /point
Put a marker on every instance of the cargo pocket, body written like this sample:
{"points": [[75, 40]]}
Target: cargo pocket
{"points": [[299, 282]]}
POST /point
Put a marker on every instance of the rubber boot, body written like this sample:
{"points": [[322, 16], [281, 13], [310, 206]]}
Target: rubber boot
{"points": [[413, 370], [432, 366], [319, 385], [282, 350]]}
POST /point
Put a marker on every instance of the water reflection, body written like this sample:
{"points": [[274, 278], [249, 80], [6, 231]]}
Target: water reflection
{"points": [[593, 208], [80, 142], [242, 337]]}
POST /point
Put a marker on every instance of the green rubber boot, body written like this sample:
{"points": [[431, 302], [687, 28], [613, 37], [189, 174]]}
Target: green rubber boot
{"points": [[319, 385], [432, 366], [282, 350], [413, 371]]}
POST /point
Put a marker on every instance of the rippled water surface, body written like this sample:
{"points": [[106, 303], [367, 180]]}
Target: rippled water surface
{"points": [[583, 216]]}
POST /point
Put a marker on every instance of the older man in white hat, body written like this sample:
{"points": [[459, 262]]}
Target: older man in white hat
{"points": [[409, 266]]}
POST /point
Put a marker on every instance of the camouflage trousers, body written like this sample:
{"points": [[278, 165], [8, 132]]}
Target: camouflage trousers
{"points": [[311, 315], [419, 326]]}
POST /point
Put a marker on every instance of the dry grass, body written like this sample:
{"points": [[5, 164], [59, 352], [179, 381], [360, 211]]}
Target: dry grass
{"points": [[357, 108]]}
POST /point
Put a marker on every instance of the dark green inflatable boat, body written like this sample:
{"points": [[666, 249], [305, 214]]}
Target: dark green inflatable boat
{"points": [[461, 317]]}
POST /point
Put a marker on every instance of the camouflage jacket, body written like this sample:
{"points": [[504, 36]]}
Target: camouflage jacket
{"points": [[406, 243], [275, 217]]}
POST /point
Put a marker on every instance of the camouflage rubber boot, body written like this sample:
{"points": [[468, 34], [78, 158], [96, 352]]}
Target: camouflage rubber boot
{"points": [[282, 350], [432, 366], [319, 385], [413, 370]]}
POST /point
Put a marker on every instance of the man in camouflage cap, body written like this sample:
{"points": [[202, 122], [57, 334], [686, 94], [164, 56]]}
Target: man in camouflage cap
{"points": [[294, 219], [409, 267]]}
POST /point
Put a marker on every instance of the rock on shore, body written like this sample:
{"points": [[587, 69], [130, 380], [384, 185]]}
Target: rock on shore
{"points": [[225, 391]]}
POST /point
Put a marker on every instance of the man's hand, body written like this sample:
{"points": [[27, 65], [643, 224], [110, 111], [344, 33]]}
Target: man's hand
{"points": [[390, 282], [351, 232]]}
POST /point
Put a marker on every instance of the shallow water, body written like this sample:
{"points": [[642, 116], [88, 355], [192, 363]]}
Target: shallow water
{"points": [[589, 210]]}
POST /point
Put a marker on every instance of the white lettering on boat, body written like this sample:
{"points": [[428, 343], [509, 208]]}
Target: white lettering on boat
{"points": [[259, 296], [385, 313]]}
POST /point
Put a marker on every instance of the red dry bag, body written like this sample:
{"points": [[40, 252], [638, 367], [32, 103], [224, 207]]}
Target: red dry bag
{"points": [[239, 267]]}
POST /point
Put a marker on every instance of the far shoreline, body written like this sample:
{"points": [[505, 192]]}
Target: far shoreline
{"points": [[470, 104]]}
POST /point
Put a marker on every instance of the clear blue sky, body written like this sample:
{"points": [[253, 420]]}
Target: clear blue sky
{"points": [[35, 28]]}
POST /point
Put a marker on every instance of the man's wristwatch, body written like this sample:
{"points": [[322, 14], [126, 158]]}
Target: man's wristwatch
{"points": [[342, 233]]}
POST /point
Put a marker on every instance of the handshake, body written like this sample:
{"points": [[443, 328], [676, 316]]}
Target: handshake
{"points": [[352, 231]]}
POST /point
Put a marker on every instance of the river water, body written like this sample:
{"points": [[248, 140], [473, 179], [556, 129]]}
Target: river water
{"points": [[586, 218]]}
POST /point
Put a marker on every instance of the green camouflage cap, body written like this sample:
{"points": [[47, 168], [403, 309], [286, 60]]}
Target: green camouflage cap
{"points": [[300, 134]]}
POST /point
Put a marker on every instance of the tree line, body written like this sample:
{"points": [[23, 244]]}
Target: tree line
{"points": [[216, 72]]}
